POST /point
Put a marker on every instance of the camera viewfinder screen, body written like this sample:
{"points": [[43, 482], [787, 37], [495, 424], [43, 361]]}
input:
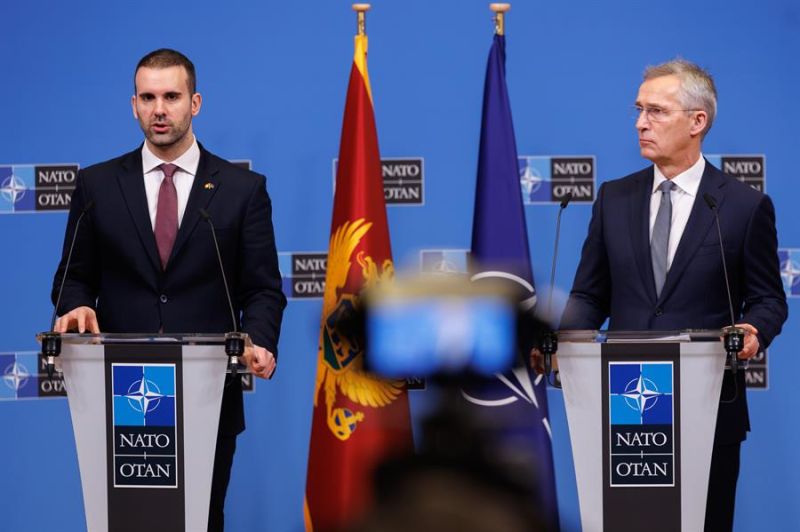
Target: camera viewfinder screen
{"points": [[420, 337]]}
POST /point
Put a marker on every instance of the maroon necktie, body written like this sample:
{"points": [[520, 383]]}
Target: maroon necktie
{"points": [[166, 214]]}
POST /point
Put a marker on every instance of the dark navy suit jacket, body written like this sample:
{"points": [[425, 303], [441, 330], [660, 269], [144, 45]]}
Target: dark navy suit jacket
{"points": [[615, 276], [116, 269]]}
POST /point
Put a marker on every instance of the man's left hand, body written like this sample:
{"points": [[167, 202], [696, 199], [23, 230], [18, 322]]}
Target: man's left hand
{"points": [[751, 346], [260, 361]]}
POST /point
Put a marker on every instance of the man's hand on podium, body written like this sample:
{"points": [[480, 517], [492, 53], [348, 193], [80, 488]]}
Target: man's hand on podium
{"points": [[81, 319], [751, 346], [260, 361], [537, 361]]}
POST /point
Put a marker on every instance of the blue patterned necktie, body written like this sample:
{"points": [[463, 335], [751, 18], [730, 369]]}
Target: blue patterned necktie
{"points": [[659, 245]]}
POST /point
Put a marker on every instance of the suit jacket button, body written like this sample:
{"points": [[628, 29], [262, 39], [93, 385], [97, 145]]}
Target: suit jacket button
{"points": [[659, 312], [163, 298]]}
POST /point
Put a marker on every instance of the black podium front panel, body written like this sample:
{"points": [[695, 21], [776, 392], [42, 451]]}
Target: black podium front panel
{"points": [[641, 437], [144, 428]]}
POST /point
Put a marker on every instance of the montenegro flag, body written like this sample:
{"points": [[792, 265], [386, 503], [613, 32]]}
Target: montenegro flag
{"points": [[358, 419]]}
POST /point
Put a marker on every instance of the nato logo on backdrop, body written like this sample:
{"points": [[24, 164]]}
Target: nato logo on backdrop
{"points": [[145, 413], [548, 179], [24, 376], [790, 270], [247, 164], [757, 372], [19, 376], [757, 375], [446, 261], [303, 274], [641, 413], [36, 188], [403, 180], [749, 169]]}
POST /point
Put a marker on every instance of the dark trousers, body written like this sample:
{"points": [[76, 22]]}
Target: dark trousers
{"points": [[722, 488], [223, 460]]}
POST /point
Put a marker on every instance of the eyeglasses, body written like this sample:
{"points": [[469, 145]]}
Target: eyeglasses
{"points": [[657, 114]]}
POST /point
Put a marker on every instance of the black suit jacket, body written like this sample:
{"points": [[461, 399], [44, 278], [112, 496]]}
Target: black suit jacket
{"points": [[116, 270], [615, 275]]}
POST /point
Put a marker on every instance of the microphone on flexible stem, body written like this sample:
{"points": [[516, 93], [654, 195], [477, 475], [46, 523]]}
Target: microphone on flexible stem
{"points": [[234, 341], [733, 335], [51, 341], [550, 338]]}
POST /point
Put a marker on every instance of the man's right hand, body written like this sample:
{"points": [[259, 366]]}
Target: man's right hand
{"points": [[81, 319]]}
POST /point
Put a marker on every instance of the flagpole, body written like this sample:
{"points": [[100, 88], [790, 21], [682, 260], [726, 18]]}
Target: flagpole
{"points": [[499, 17], [362, 9]]}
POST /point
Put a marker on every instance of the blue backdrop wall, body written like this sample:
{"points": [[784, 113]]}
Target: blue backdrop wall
{"points": [[273, 76]]}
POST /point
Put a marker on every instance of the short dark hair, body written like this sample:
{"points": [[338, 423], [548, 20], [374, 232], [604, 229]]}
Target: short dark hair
{"points": [[164, 58]]}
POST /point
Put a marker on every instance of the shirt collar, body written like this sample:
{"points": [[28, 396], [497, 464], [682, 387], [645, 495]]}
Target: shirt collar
{"points": [[188, 162], [687, 181]]}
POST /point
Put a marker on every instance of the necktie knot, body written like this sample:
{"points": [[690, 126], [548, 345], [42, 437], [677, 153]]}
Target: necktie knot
{"points": [[168, 169], [667, 186]]}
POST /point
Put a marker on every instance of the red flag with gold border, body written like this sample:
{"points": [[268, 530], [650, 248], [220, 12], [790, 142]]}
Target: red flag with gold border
{"points": [[359, 419]]}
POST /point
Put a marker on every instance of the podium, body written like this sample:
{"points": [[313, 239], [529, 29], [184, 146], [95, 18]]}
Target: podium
{"points": [[145, 412], [642, 410]]}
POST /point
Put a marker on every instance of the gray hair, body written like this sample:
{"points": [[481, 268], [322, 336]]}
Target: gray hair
{"points": [[697, 86]]}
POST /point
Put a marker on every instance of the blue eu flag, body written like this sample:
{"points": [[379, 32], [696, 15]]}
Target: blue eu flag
{"points": [[516, 399]]}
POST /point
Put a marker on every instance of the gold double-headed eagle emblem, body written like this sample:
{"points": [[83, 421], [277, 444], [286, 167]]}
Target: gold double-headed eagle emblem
{"points": [[340, 367]]}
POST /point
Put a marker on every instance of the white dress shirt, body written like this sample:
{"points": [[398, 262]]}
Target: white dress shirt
{"points": [[183, 178], [683, 199]]}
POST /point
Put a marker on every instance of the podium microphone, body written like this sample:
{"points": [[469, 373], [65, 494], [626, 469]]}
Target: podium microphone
{"points": [[234, 341], [733, 335], [550, 339], [51, 341]]}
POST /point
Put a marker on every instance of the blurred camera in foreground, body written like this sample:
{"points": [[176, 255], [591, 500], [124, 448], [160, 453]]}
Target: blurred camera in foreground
{"points": [[443, 326]]}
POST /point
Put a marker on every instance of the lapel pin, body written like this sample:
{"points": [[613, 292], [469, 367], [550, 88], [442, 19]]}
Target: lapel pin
{"points": [[209, 186]]}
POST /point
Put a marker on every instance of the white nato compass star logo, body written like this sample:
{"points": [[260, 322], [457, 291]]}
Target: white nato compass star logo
{"points": [[444, 266], [15, 376], [530, 179], [520, 388], [144, 396], [641, 394], [13, 189], [790, 273], [444, 262]]}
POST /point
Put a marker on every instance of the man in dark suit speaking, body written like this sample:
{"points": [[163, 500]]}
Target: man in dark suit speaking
{"points": [[145, 262], [651, 260]]}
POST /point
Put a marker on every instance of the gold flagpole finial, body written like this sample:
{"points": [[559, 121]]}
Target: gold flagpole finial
{"points": [[362, 9], [499, 17]]}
